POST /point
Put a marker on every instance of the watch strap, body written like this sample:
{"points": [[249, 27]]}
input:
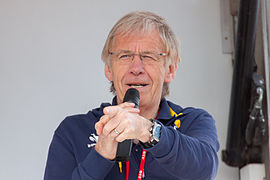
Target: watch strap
{"points": [[155, 133]]}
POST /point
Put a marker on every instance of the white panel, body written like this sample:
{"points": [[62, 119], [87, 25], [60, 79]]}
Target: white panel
{"points": [[226, 27], [252, 172]]}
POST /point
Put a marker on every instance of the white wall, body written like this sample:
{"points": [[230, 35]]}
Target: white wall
{"points": [[50, 67]]}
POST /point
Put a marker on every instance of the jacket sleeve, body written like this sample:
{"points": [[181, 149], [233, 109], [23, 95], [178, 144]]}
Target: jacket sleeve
{"points": [[191, 153], [62, 163]]}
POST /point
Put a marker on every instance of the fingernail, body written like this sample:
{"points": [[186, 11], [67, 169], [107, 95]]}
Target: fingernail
{"points": [[106, 110]]}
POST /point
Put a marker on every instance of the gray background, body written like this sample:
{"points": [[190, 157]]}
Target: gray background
{"points": [[50, 67]]}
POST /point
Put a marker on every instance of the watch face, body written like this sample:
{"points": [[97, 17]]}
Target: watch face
{"points": [[156, 131], [155, 135]]}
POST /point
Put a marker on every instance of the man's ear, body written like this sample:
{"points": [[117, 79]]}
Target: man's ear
{"points": [[170, 72], [108, 72]]}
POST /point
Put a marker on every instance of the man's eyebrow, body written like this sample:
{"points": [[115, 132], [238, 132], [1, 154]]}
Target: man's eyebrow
{"points": [[129, 51], [148, 52], [124, 51]]}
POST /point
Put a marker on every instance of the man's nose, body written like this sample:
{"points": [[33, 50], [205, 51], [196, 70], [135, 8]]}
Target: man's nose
{"points": [[136, 66]]}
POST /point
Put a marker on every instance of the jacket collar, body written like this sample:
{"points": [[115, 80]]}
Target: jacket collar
{"points": [[168, 110]]}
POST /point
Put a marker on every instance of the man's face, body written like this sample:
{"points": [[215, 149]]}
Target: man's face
{"points": [[147, 78]]}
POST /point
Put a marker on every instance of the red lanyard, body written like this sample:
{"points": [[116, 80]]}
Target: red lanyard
{"points": [[141, 170], [140, 174]]}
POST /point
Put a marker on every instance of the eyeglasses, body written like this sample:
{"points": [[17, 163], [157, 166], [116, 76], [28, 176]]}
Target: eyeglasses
{"points": [[146, 57]]}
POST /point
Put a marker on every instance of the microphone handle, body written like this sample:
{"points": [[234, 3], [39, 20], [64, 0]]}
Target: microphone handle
{"points": [[124, 150]]}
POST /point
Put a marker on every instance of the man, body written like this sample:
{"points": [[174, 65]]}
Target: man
{"points": [[169, 142]]}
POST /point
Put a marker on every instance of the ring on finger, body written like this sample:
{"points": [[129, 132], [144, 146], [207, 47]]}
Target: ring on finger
{"points": [[116, 132]]}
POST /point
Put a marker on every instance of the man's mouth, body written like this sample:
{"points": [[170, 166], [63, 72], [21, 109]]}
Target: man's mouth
{"points": [[137, 85]]}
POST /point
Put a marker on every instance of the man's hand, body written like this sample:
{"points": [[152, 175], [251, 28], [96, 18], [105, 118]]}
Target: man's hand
{"points": [[107, 145], [109, 115], [119, 123]]}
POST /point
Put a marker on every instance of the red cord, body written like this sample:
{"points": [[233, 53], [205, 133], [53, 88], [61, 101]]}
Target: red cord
{"points": [[127, 169]]}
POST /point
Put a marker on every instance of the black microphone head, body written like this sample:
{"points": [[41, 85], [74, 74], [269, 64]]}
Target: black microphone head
{"points": [[132, 95]]}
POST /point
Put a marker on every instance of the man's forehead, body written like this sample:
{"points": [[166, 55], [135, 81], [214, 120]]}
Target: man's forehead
{"points": [[151, 39]]}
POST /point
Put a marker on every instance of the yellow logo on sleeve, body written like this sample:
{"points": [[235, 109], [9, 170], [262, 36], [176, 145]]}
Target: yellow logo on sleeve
{"points": [[177, 122]]}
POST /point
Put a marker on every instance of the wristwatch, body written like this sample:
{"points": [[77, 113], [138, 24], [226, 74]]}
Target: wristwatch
{"points": [[155, 133]]}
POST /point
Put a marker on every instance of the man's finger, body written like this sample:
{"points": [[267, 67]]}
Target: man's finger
{"points": [[100, 124], [126, 104], [114, 110], [99, 128], [111, 125], [121, 137]]}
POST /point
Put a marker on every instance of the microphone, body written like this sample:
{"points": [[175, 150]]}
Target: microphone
{"points": [[124, 148]]}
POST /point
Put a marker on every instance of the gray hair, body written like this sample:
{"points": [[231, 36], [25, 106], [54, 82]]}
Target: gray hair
{"points": [[143, 21]]}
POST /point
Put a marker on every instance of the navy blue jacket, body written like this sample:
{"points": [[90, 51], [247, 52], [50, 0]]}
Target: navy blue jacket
{"points": [[187, 148]]}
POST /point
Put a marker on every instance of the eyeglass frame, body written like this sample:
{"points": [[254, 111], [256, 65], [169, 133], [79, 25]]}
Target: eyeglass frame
{"points": [[132, 54]]}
